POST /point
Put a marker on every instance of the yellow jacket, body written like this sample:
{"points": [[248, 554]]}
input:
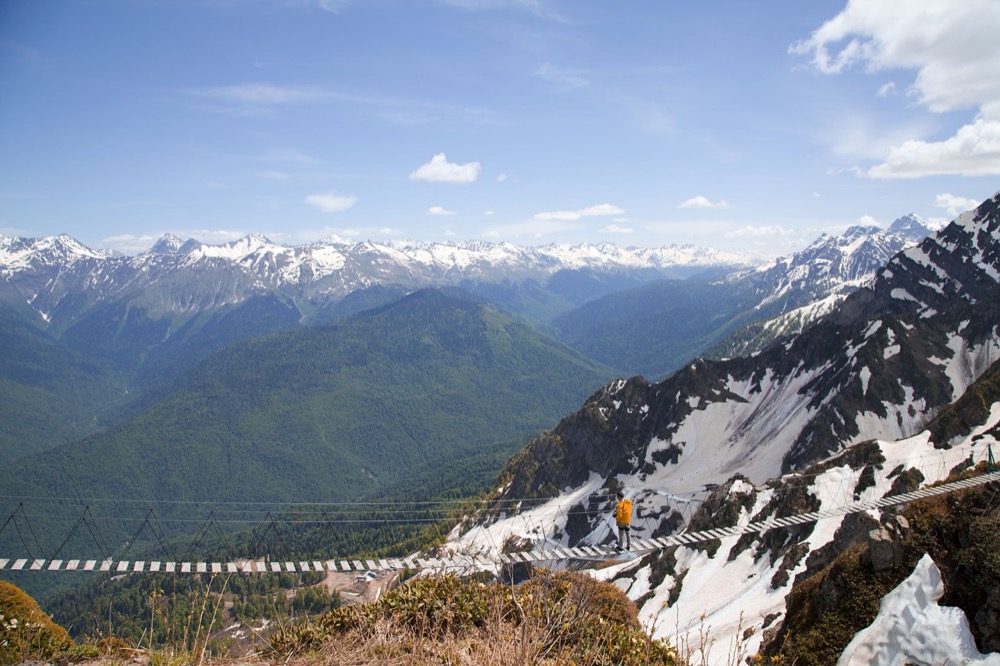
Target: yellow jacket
{"points": [[623, 512]]}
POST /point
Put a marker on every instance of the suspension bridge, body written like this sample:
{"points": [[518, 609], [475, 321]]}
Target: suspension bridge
{"points": [[459, 562]]}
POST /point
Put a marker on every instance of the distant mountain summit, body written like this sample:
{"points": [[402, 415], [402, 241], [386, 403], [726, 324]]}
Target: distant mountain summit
{"points": [[836, 264], [913, 227]]}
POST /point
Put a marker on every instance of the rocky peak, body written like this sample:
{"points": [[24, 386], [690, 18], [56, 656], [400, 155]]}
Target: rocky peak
{"points": [[911, 226]]}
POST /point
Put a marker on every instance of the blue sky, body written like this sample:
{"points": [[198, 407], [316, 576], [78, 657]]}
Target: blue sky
{"points": [[739, 125]]}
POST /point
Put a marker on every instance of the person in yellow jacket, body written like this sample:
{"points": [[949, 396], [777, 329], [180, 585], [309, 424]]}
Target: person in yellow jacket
{"points": [[623, 518]]}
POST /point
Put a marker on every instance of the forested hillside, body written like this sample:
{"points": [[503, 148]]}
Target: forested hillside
{"points": [[49, 395], [426, 394]]}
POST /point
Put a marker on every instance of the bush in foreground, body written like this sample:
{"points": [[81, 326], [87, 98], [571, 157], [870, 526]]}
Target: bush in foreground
{"points": [[554, 618], [26, 633]]}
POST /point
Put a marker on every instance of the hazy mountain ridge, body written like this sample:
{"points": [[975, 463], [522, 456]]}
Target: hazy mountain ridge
{"points": [[322, 270], [132, 309], [670, 322]]}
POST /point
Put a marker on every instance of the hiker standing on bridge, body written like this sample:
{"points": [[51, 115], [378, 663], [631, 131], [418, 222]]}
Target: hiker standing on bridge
{"points": [[623, 518]]}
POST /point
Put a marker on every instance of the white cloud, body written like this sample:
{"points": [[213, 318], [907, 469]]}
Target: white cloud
{"points": [[887, 89], [703, 202], [955, 205], [617, 229], [502, 178], [331, 203], [973, 151], [952, 48], [600, 210], [439, 210], [440, 170], [868, 221], [572, 215]]}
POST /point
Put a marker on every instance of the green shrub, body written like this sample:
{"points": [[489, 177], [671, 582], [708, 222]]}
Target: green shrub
{"points": [[26, 633]]}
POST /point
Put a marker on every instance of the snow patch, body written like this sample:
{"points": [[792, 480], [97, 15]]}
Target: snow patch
{"points": [[911, 628]]}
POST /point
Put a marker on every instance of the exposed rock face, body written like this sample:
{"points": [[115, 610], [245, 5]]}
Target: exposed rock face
{"points": [[886, 546], [988, 621]]}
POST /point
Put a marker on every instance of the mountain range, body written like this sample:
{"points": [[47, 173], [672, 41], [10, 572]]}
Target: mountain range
{"points": [[256, 372], [94, 339], [893, 387], [174, 304]]}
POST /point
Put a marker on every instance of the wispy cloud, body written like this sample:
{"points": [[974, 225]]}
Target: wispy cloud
{"points": [[440, 170], [252, 98], [534, 6], [248, 99], [561, 79], [439, 211], [573, 215], [331, 203], [334, 6], [703, 202]]}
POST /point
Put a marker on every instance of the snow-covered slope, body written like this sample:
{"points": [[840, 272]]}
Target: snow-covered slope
{"points": [[836, 413], [911, 628], [736, 583]]}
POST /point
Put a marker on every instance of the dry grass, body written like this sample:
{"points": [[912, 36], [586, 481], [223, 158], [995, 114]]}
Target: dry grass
{"points": [[554, 619], [387, 643]]}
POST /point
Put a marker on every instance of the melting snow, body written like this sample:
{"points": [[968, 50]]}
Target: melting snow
{"points": [[911, 628]]}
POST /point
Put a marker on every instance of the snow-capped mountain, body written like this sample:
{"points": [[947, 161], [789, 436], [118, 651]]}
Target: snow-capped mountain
{"points": [[853, 394], [798, 289], [835, 264], [59, 277]]}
